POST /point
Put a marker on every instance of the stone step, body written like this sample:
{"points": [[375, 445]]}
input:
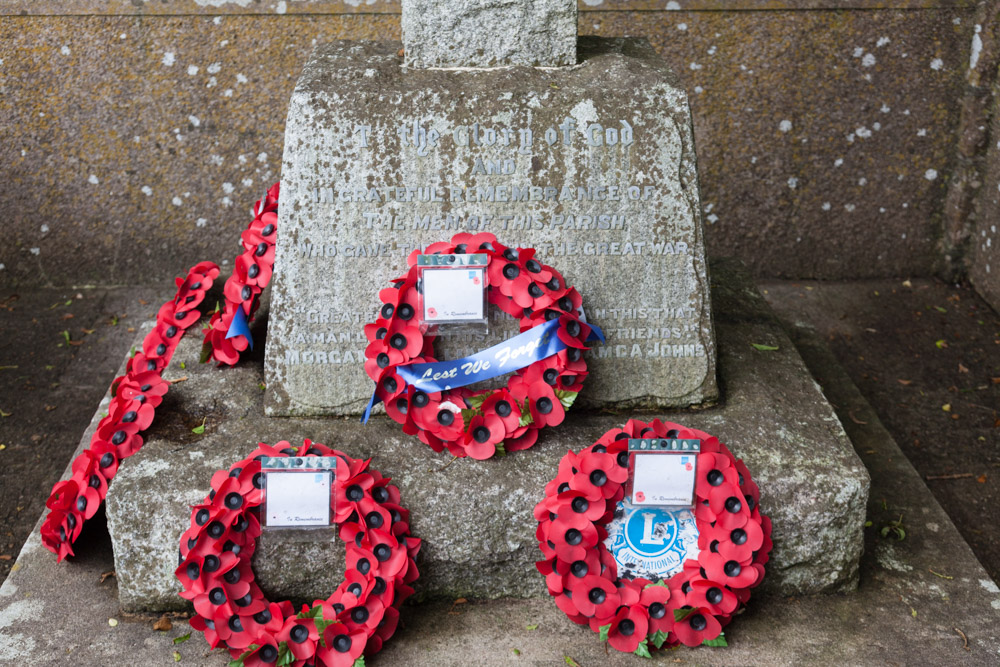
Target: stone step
{"points": [[475, 517], [902, 612]]}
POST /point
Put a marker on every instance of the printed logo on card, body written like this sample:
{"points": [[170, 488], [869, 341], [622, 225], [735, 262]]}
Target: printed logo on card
{"points": [[651, 542]]}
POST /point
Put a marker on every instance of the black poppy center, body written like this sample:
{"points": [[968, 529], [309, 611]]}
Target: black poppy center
{"points": [[119, 437], [217, 596], [550, 376], [342, 643], [481, 434], [598, 478], [580, 505], [387, 310], [234, 500], [446, 417], [535, 291], [544, 405], [713, 595], [406, 311], [389, 384], [733, 505], [511, 271], [627, 627], [398, 341], [382, 552], [564, 487], [364, 566], [253, 271], [268, 230], [262, 617], [420, 399], [573, 537], [201, 517], [211, 563], [503, 408], [232, 576], [299, 633], [597, 595], [657, 610], [216, 529], [573, 328], [715, 477], [268, 654], [579, 568], [359, 614], [234, 624], [246, 293], [374, 519], [738, 536], [193, 571], [382, 360], [732, 568]]}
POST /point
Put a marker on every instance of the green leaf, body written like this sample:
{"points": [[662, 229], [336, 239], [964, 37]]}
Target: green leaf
{"points": [[764, 348], [311, 613], [566, 397], [718, 642], [238, 662], [200, 428], [321, 625], [501, 450], [183, 366], [659, 582], [642, 650], [360, 662], [681, 614], [603, 635], [940, 309], [206, 354], [531, 627], [65, 334], [182, 639], [658, 638], [467, 415], [177, 656], [526, 417], [475, 402], [285, 656]]}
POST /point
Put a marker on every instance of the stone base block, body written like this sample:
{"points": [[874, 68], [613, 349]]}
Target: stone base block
{"points": [[475, 517]]}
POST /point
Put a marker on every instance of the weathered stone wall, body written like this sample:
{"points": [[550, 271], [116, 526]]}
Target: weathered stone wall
{"points": [[136, 134]]}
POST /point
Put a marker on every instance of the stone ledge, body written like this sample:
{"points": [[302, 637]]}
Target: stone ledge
{"points": [[475, 517]]}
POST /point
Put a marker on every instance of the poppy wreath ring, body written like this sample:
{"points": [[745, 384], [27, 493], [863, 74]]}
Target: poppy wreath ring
{"points": [[639, 615], [480, 423], [215, 571]]}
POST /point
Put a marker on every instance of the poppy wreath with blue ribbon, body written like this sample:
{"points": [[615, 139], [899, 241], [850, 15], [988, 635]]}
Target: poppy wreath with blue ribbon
{"points": [[230, 609], [481, 423], [639, 615]]}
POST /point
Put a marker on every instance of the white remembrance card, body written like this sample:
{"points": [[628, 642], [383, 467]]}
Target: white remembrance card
{"points": [[453, 294], [298, 498], [664, 479]]}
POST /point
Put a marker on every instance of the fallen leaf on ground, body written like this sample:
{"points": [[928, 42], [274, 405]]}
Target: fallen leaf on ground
{"points": [[113, 622], [941, 344], [68, 316], [905, 383], [6, 557], [163, 624], [571, 662], [981, 479], [946, 407], [105, 575], [962, 369], [3, 447], [177, 656], [5, 414], [764, 348]]}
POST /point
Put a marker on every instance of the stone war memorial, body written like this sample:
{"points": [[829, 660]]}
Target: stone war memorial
{"points": [[600, 423]]}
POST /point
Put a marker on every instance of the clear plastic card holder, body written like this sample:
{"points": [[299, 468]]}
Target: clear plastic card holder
{"points": [[298, 492], [662, 472], [453, 298]]}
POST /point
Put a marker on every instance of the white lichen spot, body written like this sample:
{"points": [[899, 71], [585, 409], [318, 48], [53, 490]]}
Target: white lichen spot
{"points": [[224, 42], [146, 190], [882, 41], [937, 64], [2, 266], [217, 160], [793, 182], [868, 60], [36, 251], [217, 20], [228, 188], [695, 66], [849, 208], [168, 58], [957, 20], [713, 218], [246, 182], [227, 202], [201, 222], [709, 207], [862, 181], [242, 158], [977, 47], [682, 26], [885, 108], [922, 132], [281, 8], [711, 50], [931, 174], [261, 157], [123, 36], [212, 82], [863, 132], [177, 201], [369, 73], [672, 6], [839, 161], [241, 79], [64, 50], [858, 52], [785, 126], [753, 159], [825, 206], [228, 92], [93, 180], [699, 90], [989, 586], [194, 120], [45, 229], [885, 554], [214, 68], [192, 70]]}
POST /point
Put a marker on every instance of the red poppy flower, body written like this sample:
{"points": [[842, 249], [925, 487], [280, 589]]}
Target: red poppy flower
{"points": [[387, 552], [594, 595], [710, 595], [573, 535], [301, 636], [725, 568], [698, 627], [264, 655], [714, 470], [657, 601], [340, 646], [482, 436], [364, 617], [546, 409], [206, 626], [628, 629], [150, 386], [729, 506], [502, 404], [523, 441]]}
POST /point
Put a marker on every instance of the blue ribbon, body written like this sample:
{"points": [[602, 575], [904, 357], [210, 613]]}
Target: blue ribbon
{"points": [[239, 327], [535, 344]]}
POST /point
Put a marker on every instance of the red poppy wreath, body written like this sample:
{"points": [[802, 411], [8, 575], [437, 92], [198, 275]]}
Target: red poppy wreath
{"points": [[481, 423], [336, 632], [639, 615]]}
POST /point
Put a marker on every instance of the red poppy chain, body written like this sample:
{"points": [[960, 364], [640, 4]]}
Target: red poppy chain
{"points": [[639, 615], [361, 614], [481, 423]]}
